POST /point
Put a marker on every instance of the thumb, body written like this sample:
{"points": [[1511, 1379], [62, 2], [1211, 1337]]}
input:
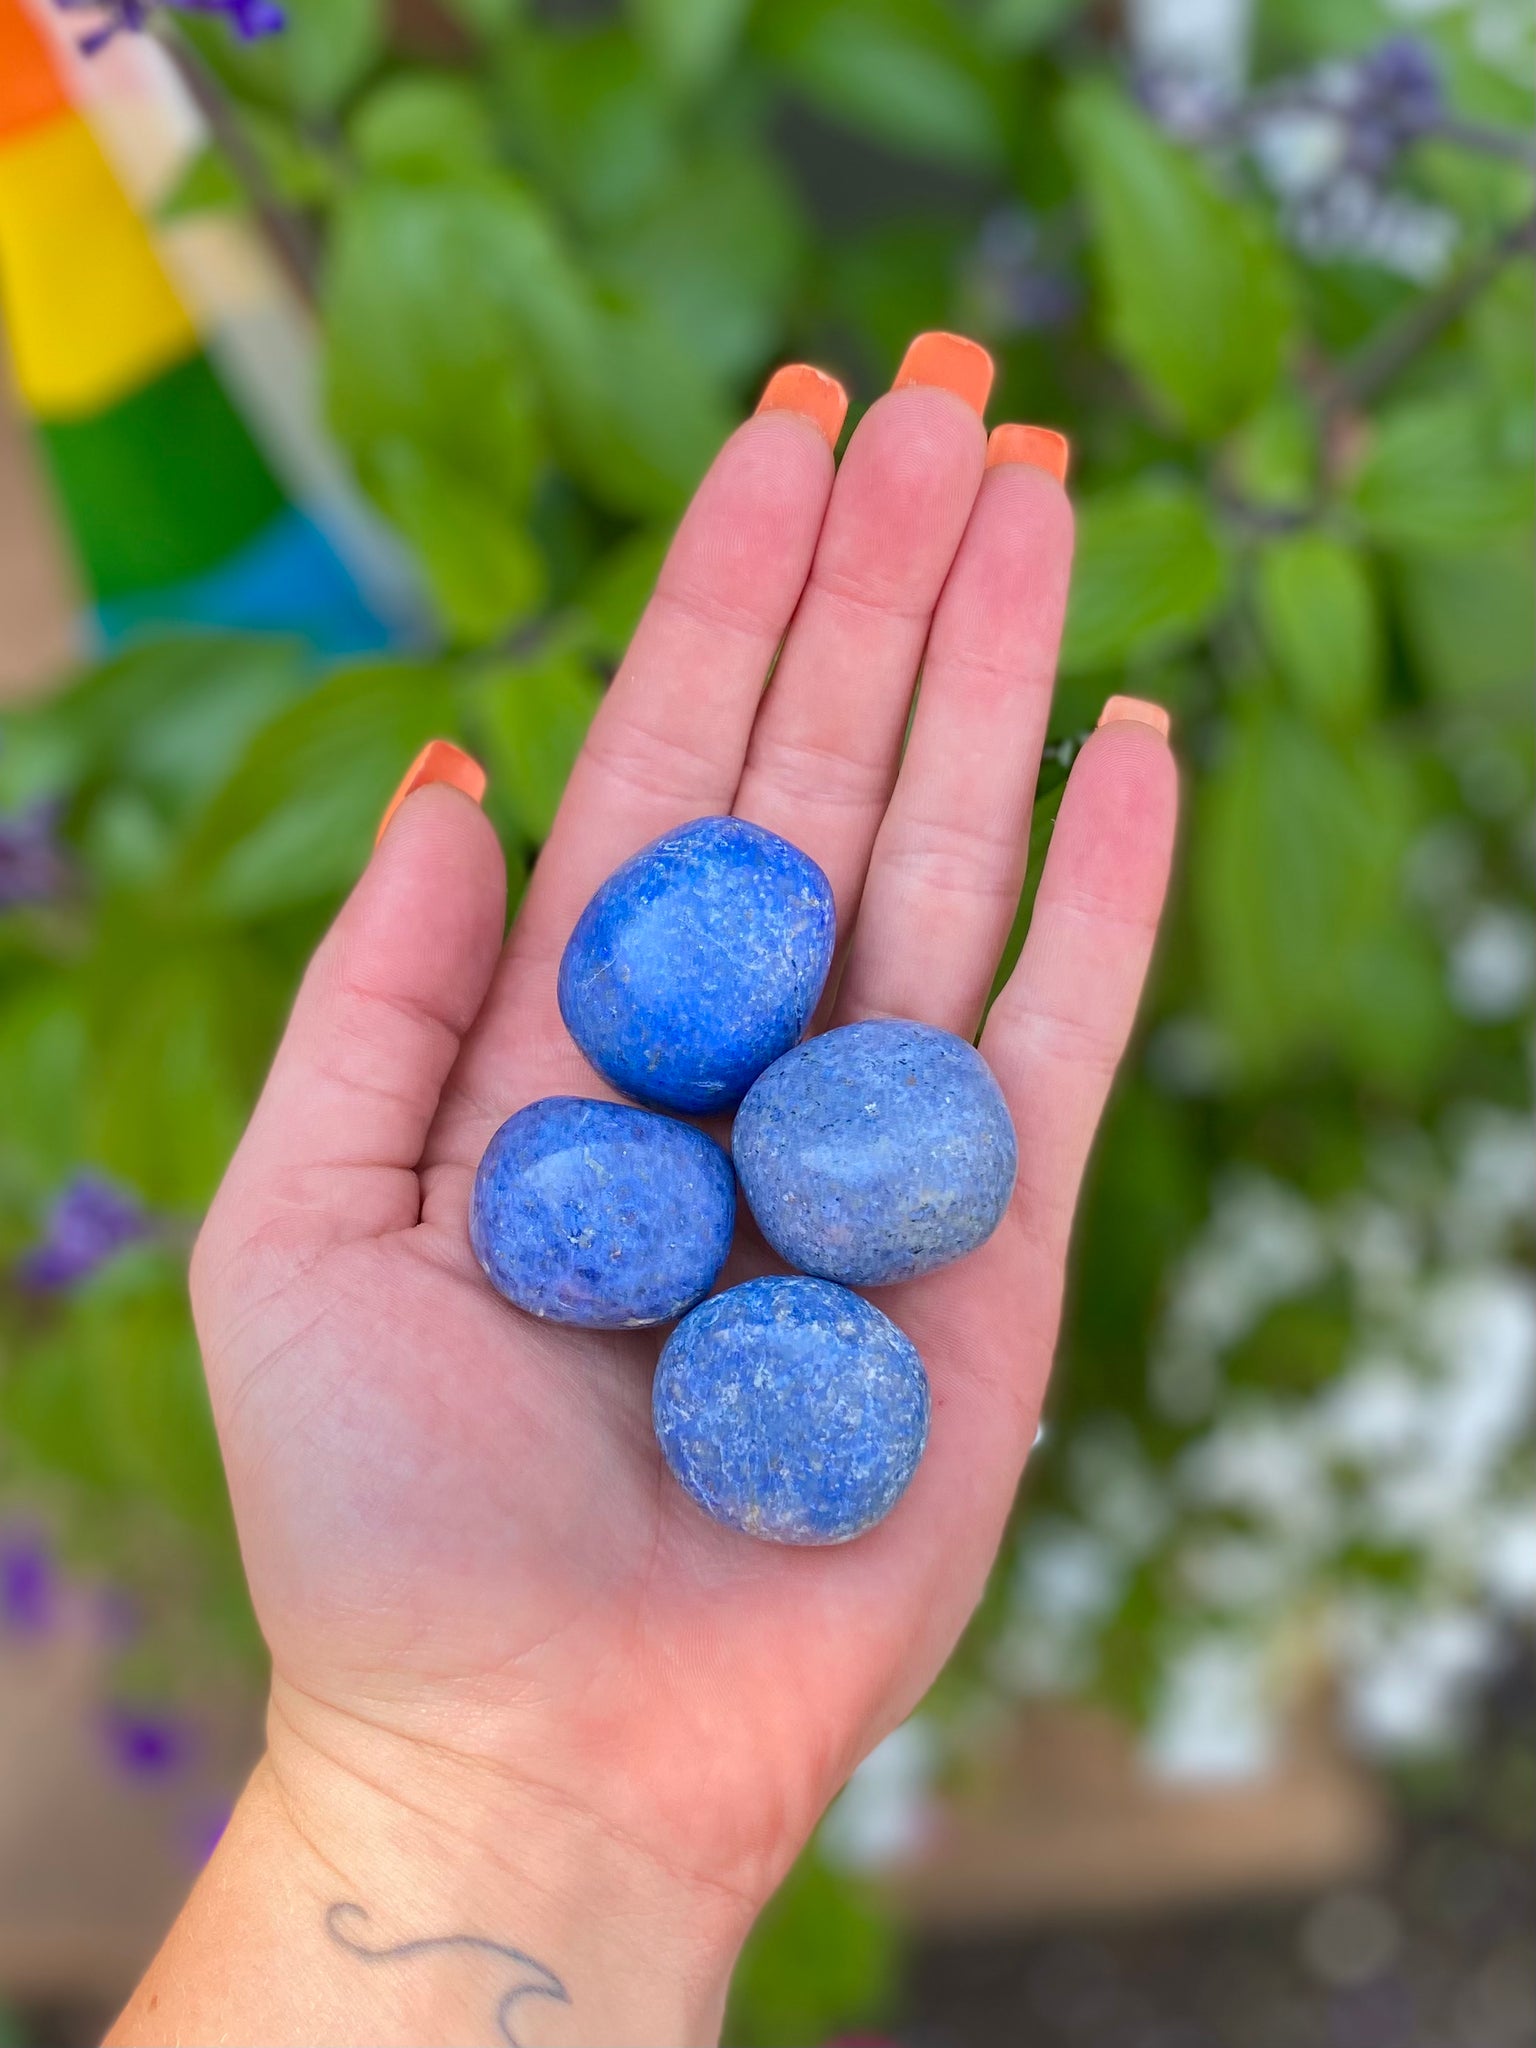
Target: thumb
{"points": [[331, 1151]]}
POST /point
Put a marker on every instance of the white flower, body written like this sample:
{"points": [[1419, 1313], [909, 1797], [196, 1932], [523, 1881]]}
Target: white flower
{"points": [[1299, 149], [1493, 964], [886, 1811], [1409, 1679], [1377, 1410], [1202, 41], [1507, 1546], [1214, 1719], [1261, 1463], [1068, 1574]]}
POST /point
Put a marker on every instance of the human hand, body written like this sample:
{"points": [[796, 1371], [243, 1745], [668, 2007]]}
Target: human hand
{"points": [[523, 1690]]}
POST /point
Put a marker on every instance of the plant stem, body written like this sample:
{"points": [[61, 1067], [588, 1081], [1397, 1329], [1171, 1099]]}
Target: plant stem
{"points": [[1388, 353], [291, 237]]}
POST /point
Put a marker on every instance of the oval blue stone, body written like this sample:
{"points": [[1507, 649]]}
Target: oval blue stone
{"points": [[792, 1410], [697, 963], [601, 1214], [876, 1152]]}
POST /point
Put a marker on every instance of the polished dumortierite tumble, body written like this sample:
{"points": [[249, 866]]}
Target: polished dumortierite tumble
{"points": [[697, 963], [877, 1152], [601, 1214], [791, 1410]]}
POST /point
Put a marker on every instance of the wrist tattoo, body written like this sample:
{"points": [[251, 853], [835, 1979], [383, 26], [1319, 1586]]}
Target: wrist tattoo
{"points": [[348, 1923]]}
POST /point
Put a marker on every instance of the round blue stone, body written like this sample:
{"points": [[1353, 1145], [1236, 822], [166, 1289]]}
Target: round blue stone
{"points": [[792, 1410], [697, 963], [876, 1152], [601, 1214]]}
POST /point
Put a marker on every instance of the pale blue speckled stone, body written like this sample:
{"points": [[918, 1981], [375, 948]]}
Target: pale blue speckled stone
{"points": [[876, 1152], [791, 1410], [697, 963], [601, 1214]]}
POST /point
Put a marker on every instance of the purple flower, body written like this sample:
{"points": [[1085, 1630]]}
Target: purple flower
{"points": [[28, 1583], [248, 18], [1399, 83], [33, 867], [143, 1744], [1018, 292], [91, 1221]]}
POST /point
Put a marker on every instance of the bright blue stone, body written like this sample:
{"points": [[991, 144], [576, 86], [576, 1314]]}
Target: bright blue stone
{"points": [[876, 1152], [697, 963], [792, 1410], [601, 1214]]}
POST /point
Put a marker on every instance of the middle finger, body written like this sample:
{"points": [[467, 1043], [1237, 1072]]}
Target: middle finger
{"points": [[824, 750]]}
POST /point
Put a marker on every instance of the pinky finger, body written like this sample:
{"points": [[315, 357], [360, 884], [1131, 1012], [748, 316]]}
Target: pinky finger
{"points": [[1058, 1030]]}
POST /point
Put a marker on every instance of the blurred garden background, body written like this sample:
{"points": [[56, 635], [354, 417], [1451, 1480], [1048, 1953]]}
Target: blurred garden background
{"points": [[357, 374]]}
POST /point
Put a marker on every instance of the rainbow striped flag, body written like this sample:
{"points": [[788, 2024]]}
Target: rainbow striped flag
{"points": [[169, 367]]}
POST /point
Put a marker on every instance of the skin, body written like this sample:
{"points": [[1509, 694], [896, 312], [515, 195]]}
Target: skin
{"points": [[523, 1691]]}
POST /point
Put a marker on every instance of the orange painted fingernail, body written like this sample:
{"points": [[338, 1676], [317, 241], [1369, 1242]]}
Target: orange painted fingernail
{"points": [[438, 761], [1137, 711], [952, 363], [1039, 447], [801, 388]]}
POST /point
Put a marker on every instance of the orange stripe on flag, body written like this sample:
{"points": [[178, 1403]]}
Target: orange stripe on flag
{"points": [[30, 87]]}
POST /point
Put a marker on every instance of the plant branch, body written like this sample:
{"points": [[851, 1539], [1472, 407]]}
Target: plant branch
{"points": [[291, 237], [1389, 352]]}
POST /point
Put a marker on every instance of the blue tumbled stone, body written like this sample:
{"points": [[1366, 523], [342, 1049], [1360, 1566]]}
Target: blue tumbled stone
{"points": [[697, 963], [601, 1214], [876, 1152], [792, 1410]]}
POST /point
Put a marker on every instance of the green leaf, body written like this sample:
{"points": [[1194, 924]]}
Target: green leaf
{"points": [[207, 185], [43, 1049], [821, 1958], [114, 1397], [690, 41], [1196, 292], [457, 321], [905, 72], [294, 823], [302, 170], [1024, 24], [619, 587], [1321, 623], [326, 48], [717, 257], [446, 306], [487, 19], [421, 126], [1296, 862], [589, 113], [1470, 620], [1149, 576], [484, 571], [179, 1038], [1443, 475], [535, 716], [1273, 458], [168, 715]]}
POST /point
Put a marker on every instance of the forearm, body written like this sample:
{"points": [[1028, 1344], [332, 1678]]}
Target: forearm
{"points": [[337, 1911]]}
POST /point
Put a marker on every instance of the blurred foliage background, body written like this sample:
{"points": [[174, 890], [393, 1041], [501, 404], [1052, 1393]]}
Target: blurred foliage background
{"points": [[1270, 269]]}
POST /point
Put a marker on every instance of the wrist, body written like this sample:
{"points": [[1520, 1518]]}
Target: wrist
{"points": [[375, 1888], [437, 1844]]}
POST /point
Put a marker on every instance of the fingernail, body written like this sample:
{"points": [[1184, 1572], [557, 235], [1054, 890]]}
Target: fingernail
{"points": [[1039, 447], [952, 363], [1138, 711], [799, 387], [438, 761]]}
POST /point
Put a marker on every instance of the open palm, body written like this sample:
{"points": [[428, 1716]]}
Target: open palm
{"points": [[457, 1525]]}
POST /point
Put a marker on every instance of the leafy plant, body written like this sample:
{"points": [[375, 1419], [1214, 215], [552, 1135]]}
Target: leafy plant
{"points": [[1287, 329]]}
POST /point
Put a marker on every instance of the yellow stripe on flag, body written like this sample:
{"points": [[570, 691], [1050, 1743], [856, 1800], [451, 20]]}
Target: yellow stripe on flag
{"points": [[88, 309]]}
